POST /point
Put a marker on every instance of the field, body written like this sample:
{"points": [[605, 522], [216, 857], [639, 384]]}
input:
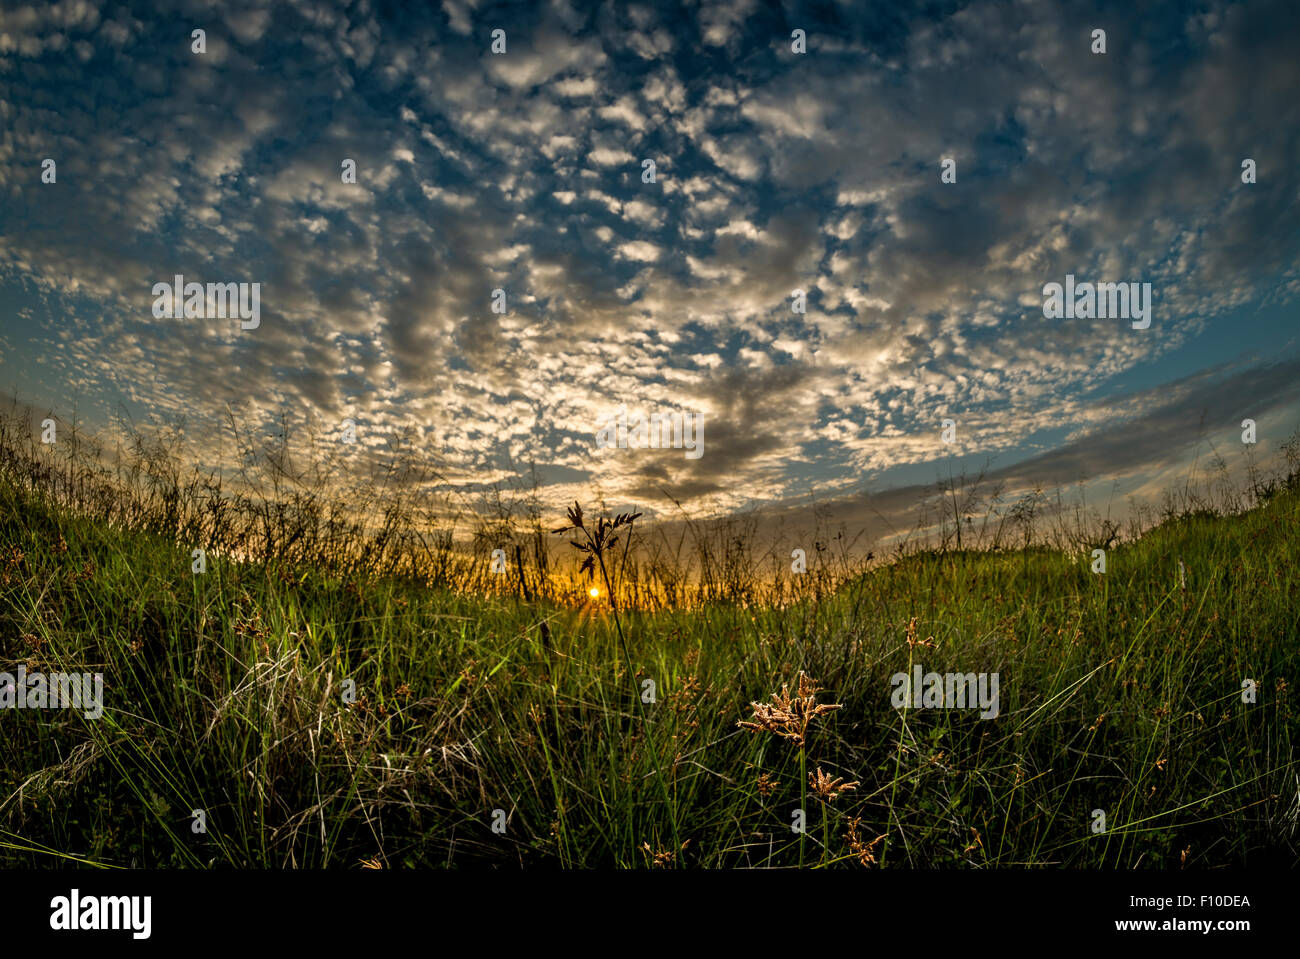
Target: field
{"points": [[290, 713]]}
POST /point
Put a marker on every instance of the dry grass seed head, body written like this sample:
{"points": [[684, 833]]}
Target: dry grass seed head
{"points": [[789, 717], [865, 851], [826, 788]]}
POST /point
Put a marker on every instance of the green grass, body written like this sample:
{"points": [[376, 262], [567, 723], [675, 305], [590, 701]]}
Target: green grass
{"points": [[224, 693]]}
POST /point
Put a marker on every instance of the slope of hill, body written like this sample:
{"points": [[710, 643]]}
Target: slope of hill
{"points": [[269, 715]]}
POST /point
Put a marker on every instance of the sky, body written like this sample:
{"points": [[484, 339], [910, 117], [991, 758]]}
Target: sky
{"points": [[774, 171]]}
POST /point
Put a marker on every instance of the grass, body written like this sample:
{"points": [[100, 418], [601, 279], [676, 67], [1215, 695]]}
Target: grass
{"points": [[230, 692]]}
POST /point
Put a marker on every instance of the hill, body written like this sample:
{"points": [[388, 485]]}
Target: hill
{"points": [[269, 714]]}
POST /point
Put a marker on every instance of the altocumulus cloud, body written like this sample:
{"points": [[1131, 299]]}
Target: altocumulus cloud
{"points": [[774, 171]]}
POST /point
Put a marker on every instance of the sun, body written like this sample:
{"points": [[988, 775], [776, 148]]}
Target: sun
{"points": [[594, 592]]}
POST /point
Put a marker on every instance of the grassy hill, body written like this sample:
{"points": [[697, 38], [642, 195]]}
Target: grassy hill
{"points": [[229, 692]]}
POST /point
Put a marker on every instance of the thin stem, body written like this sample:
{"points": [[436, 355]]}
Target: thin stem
{"points": [[803, 800], [645, 722], [826, 832]]}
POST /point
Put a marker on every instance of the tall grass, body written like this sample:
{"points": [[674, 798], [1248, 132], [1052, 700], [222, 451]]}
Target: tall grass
{"points": [[225, 691]]}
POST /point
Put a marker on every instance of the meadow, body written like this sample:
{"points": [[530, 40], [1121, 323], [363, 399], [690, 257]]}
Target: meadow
{"points": [[332, 694]]}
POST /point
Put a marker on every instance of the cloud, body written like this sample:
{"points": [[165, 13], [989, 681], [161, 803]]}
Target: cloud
{"points": [[775, 172]]}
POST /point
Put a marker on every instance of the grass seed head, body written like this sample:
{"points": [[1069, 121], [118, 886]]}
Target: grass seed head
{"points": [[826, 789], [864, 851], [789, 717]]}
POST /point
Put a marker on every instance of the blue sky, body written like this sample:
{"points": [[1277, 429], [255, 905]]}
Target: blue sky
{"points": [[775, 171]]}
